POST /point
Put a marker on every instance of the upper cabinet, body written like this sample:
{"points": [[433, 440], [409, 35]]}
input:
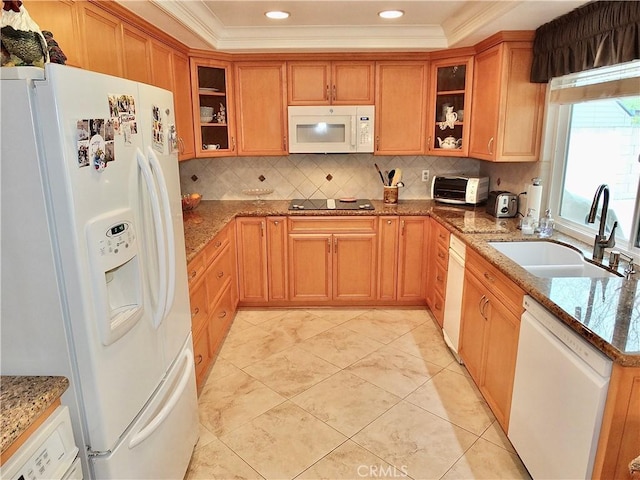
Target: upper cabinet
{"points": [[261, 107], [506, 109], [330, 83], [212, 98], [401, 104], [449, 109], [182, 105]]}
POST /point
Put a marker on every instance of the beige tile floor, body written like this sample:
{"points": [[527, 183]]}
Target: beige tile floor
{"points": [[344, 394]]}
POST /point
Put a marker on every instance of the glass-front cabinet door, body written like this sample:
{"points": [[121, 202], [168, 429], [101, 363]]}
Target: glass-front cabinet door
{"points": [[449, 115], [212, 108]]}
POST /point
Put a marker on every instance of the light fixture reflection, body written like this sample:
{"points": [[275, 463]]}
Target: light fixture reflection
{"points": [[277, 15], [391, 14], [321, 127]]}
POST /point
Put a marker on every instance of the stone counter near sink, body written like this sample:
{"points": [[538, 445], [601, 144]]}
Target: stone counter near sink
{"points": [[23, 400], [605, 311]]}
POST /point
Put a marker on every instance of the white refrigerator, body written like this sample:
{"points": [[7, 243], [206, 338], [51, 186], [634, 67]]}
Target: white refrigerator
{"points": [[94, 283]]}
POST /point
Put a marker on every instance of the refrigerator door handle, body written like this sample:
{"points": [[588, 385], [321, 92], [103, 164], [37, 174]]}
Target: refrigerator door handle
{"points": [[164, 412], [168, 224], [145, 168]]}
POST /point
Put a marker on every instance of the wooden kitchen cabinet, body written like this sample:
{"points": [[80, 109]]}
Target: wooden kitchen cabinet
{"points": [[278, 276], [61, 18], [401, 105], [261, 108], [491, 310], [332, 259], [212, 279], [450, 107], [211, 87], [412, 257], [330, 83], [388, 228], [136, 54], [506, 109], [438, 261], [102, 40], [182, 105], [251, 244]]}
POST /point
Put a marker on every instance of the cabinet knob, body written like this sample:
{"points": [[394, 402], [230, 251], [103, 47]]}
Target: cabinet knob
{"points": [[180, 145], [193, 274], [489, 277], [199, 359], [195, 312], [220, 274], [490, 145], [222, 314], [276, 222], [218, 243]]}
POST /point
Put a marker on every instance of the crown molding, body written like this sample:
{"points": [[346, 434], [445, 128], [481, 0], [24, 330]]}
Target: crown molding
{"points": [[474, 16]]}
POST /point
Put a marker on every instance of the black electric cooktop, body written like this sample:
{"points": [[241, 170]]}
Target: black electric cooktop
{"points": [[321, 204]]}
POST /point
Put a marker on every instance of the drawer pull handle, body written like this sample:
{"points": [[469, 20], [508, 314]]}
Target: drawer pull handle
{"points": [[438, 278], [489, 277], [276, 222], [193, 274], [222, 314], [199, 359], [441, 255], [388, 222], [218, 243], [195, 312], [220, 274]]}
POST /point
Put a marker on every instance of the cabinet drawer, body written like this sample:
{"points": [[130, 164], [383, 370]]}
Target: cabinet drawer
{"points": [[440, 279], [216, 246], [441, 236], [195, 269], [442, 255], [218, 275], [499, 284], [220, 320], [199, 311], [438, 307], [201, 356], [332, 224]]}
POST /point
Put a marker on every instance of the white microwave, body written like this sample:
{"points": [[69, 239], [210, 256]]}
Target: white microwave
{"points": [[331, 129]]}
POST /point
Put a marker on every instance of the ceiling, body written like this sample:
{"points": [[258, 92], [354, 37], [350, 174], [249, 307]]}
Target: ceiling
{"points": [[342, 25]]}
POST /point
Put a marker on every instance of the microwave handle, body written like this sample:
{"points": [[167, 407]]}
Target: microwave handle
{"points": [[354, 139]]}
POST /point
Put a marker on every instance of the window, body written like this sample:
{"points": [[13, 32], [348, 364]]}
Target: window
{"points": [[595, 119]]}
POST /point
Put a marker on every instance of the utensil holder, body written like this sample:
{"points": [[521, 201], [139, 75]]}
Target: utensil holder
{"points": [[390, 195]]}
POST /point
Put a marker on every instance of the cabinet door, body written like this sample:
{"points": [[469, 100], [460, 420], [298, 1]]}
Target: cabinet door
{"points": [[261, 107], [352, 83], [182, 105], [136, 54], [387, 257], [103, 40], [162, 66], [277, 258], [354, 266], [501, 347], [450, 104], [61, 18], [212, 96], [308, 83], [310, 267], [252, 259], [412, 258], [400, 107], [506, 112], [473, 325]]}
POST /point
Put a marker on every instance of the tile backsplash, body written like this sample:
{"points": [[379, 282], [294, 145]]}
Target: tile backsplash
{"points": [[315, 175]]}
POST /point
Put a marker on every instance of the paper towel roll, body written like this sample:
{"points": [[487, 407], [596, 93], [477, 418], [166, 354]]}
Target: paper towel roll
{"points": [[534, 198]]}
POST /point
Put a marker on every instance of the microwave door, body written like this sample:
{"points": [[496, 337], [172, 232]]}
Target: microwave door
{"points": [[322, 134]]}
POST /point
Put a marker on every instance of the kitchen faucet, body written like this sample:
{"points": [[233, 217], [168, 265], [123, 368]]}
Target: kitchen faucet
{"points": [[601, 240]]}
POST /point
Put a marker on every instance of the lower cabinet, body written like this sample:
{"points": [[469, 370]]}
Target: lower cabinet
{"points": [[491, 310], [332, 259], [213, 302]]}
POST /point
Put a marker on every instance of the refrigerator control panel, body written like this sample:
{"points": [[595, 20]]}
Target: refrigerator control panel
{"points": [[117, 238]]}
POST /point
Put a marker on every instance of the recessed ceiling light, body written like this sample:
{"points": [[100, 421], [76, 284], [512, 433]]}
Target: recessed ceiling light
{"points": [[391, 13], [277, 14]]}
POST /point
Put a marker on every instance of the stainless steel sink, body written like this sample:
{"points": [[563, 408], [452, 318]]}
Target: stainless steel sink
{"points": [[549, 259]]}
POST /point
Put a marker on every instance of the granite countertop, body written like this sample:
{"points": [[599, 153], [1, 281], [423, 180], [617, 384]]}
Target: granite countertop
{"points": [[604, 311], [23, 400]]}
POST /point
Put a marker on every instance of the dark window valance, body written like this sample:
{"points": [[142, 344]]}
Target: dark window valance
{"points": [[595, 35]]}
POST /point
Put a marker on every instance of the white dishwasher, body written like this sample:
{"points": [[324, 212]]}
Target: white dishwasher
{"points": [[453, 303], [559, 393]]}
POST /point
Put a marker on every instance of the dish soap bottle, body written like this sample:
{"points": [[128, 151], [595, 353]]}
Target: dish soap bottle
{"points": [[546, 225], [528, 223]]}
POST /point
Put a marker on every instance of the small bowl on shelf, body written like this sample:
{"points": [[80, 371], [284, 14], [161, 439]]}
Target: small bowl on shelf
{"points": [[208, 119], [190, 201]]}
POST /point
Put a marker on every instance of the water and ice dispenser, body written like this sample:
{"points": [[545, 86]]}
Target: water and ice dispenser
{"points": [[116, 273]]}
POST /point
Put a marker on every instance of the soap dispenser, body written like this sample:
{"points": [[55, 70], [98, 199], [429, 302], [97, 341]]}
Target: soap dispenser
{"points": [[529, 223], [546, 225]]}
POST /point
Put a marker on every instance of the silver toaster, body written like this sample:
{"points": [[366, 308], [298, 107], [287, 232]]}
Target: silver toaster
{"points": [[502, 204]]}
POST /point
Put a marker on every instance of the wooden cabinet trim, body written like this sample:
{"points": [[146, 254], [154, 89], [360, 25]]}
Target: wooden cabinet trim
{"points": [[332, 224]]}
